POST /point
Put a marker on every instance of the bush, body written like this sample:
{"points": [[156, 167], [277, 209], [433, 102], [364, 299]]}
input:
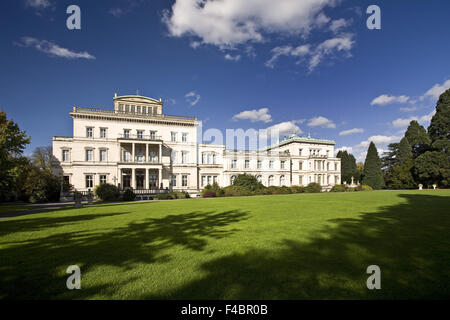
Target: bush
{"points": [[107, 192], [297, 189], [180, 195], [218, 191], [313, 187], [232, 191], [41, 186], [209, 194], [165, 196], [129, 195], [338, 188], [247, 182], [364, 187]]}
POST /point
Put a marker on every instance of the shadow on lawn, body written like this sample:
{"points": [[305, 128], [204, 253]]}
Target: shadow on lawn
{"points": [[137, 242], [410, 242]]}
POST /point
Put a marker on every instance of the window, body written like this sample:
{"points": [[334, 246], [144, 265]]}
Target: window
{"points": [[174, 180], [89, 155], [173, 136], [300, 179], [144, 109], [282, 181], [203, 181], [150, 110], [271, 165], [102, 132], [126, 133], [184, 156], [153, 135], [89, 181], [174, 156], [127, 108], [214, 159], [103, 155], [336, 166], [209, 158], [184, 137], [126, 156], [132, 109], [184, 181], [232, 179], [102, 178], [270, 181], [120, 107], [209, 180], [65, 155], [300, 165], [153, 156], [283, 164], [259, 178], [233, 164], [138, 109], [259, 164], [203, 158], [214, 179], [247, 164], [66, 180], [140, 134], [89, 132], [300, 152]]}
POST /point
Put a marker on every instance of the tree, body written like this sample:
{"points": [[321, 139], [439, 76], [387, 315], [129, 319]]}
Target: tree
{"points": [[439, 129], [389, 158], [417, 138], [372, 174], [404, 152], [248, 182], [400, 176], [12, 144], [433, 167], [348, 166], [42, 158]]}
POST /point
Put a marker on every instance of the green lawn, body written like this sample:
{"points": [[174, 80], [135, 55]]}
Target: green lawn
{"points": [[302, 246], [8, 209]]}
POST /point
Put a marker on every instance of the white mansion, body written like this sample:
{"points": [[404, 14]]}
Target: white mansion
{"points": [[136, 145]]}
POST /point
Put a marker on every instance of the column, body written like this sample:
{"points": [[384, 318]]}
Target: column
{"points": [[147, 182], [133, 159], [133, 176], [160, 153], [159, 174], [146, 158]]}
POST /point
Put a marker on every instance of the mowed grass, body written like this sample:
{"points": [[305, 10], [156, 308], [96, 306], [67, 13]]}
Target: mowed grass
{"points": [[301, 246]]}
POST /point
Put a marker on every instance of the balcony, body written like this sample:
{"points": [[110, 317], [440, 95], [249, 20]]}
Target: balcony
{"points": [[141, 137], [317, 156]]}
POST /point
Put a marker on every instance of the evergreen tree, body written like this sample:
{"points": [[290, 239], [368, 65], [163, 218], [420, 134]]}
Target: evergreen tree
{"points": [[404, 151], [433, 167], [389, 158], [439, 129], [348, 166], [372, 174], [417, 138]]}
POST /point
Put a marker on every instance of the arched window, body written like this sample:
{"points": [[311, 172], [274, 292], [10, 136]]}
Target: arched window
{"points": [[259, 178], [270, 181], [282, 181], [232, 179]]}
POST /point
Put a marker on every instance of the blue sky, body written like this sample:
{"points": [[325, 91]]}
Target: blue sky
{"points": [[301, 66]]}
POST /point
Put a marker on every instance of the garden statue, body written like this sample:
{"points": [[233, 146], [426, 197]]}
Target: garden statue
{"points": [[420, 186], [77, 198], [434, 186]]}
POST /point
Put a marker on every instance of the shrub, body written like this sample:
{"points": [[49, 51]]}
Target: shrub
{"points": [[129, 195], [364, 187], [41, 186], [247, 182], [209, 194], [165, 196], [233, 190], [180, 195], [107, 192], [297, 189], [218, 191], [313, 187], [338, 188]]}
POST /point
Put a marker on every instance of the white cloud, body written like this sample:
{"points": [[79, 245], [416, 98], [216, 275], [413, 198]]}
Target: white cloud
{"points": [[192, 98], [351, 131], [385, 99], [436, 91], [232, 58], [53, 49], [344, 148], [254, 115], [408, 109], [315, 56], [116, 12], [321, 122], [339, 24], [379, 140], [284, 128], [228, 23], [404, 122], [38, 4]]}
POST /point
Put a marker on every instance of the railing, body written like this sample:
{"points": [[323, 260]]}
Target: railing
{"points": [[317, 156], [143, 161], [149, 191], [139, 137], [112, 111]]}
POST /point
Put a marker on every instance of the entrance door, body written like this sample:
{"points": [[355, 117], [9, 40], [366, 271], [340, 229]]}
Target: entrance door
{"points": [[140, 181], [126, 181]]}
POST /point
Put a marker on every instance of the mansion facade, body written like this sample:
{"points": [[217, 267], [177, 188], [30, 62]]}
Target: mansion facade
{"points": [[135, 145]]}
